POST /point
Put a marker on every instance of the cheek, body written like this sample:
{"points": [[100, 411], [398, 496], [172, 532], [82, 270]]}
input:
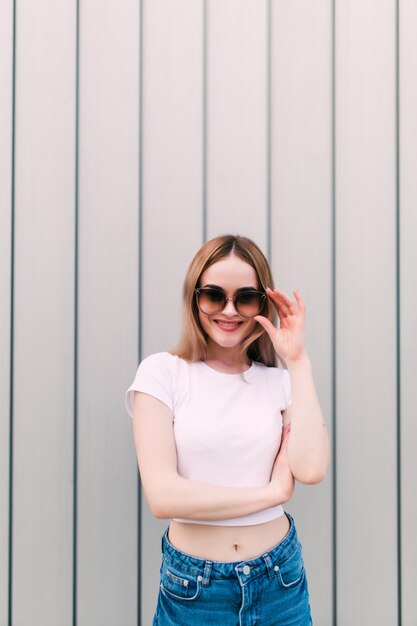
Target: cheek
{"points": [[250, 327]]}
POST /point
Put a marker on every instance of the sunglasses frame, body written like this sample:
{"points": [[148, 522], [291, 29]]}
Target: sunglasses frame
{"points": [[234, 298]]}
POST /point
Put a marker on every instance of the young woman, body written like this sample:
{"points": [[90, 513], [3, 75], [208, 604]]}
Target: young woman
{"points": [[221, 433]]}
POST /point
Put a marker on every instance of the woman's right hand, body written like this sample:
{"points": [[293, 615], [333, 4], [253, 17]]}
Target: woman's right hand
{"points": [[281, 484]]}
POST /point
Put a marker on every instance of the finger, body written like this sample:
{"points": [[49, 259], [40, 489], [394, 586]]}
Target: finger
{"points": [[278, 301], [267, 325], [299, 299], [281, 316], [291, 308], [289, 302]]}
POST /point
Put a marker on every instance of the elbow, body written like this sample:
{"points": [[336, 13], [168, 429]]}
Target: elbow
{"points": [[310, 478], [163, 502], [156, 508], [311, 470], [311, 475], [159, 513], [160, 508], [158, 504], [161, 496]]}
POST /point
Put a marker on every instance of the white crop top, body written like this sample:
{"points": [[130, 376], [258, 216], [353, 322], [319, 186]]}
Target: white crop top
{"points": [[227, 431]]}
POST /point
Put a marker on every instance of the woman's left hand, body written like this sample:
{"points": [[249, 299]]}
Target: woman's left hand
{"points": [[288, 339]]}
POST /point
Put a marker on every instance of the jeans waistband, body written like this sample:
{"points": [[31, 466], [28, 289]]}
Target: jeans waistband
{"points": [[206, 569]]}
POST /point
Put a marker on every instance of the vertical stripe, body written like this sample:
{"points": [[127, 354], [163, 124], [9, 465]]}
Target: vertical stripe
{"points": [[140, 196], [398, 294], [76, 261], [204, 142], [268, 131], [333, 280], [13, 156]]}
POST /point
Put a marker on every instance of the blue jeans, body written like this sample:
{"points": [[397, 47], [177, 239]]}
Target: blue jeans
{"points": [[269, 590]]}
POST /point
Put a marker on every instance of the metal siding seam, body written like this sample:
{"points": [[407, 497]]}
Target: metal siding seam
{"points": [[139, 347], [76, 261], [398, 298], [334, 347], [204, 129], [13, 156], [269, 133]]}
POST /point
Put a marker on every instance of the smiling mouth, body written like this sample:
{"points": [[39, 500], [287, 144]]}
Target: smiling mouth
{"points": [[227, 324]]}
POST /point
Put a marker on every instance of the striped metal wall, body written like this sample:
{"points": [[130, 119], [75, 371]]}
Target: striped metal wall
{"points": [[130, 132]]}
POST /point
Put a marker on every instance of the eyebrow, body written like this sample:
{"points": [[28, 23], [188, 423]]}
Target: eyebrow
{"points": [[251, 288]]}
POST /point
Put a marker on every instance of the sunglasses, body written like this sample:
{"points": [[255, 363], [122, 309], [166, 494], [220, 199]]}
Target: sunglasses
{"points": [[248, 303]]}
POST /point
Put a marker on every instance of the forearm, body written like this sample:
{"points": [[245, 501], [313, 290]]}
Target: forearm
{"points": [[196, 500], [308, 446]]}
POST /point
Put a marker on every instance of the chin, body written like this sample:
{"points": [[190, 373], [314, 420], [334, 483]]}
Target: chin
{"points": [[228, 342]]}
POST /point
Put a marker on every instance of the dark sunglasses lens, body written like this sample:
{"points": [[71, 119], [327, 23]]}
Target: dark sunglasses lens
{"points": [[211, 301], [249, 304]]}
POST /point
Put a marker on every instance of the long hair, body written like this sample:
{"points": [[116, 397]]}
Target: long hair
{"points": [[193, 343]]}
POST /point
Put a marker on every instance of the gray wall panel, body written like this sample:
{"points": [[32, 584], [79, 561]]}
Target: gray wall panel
{"points": [[302, 237], [366, 314], [6, 138], [408, 305], [172, 162], [172, 200], [236, 118], [44, 316], [233, 161], [107, 312]]}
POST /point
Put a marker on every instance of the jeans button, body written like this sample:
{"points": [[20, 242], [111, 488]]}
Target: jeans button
{"points": [[246, 569]]}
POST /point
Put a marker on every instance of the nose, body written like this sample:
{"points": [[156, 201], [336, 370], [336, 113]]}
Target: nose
{"points": [[229, 308]]}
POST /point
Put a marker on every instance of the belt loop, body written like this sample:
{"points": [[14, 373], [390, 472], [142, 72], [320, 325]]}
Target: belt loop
{"points": [[206, 574], [270, 567]]}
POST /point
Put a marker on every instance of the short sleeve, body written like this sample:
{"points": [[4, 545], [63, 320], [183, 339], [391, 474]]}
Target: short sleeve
{"points": [[155, 376], [287, 387]]}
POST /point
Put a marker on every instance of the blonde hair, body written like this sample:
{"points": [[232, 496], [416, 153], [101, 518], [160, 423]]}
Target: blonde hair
{"points": [[193, 344]]}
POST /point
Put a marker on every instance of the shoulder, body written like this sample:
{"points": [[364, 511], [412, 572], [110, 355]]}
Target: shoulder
{"points": [[155, 376], [158, 361], [160, 365], [276, 374], [275, 380], [279, 376]]}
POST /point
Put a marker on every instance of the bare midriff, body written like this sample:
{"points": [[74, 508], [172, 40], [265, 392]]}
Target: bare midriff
{"points": [[227, 543]]}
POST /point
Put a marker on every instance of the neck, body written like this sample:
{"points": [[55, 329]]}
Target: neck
{"points": [[227, 357]]}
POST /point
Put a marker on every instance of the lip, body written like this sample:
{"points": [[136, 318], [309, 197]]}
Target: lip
{"points": [[228, 326]]}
